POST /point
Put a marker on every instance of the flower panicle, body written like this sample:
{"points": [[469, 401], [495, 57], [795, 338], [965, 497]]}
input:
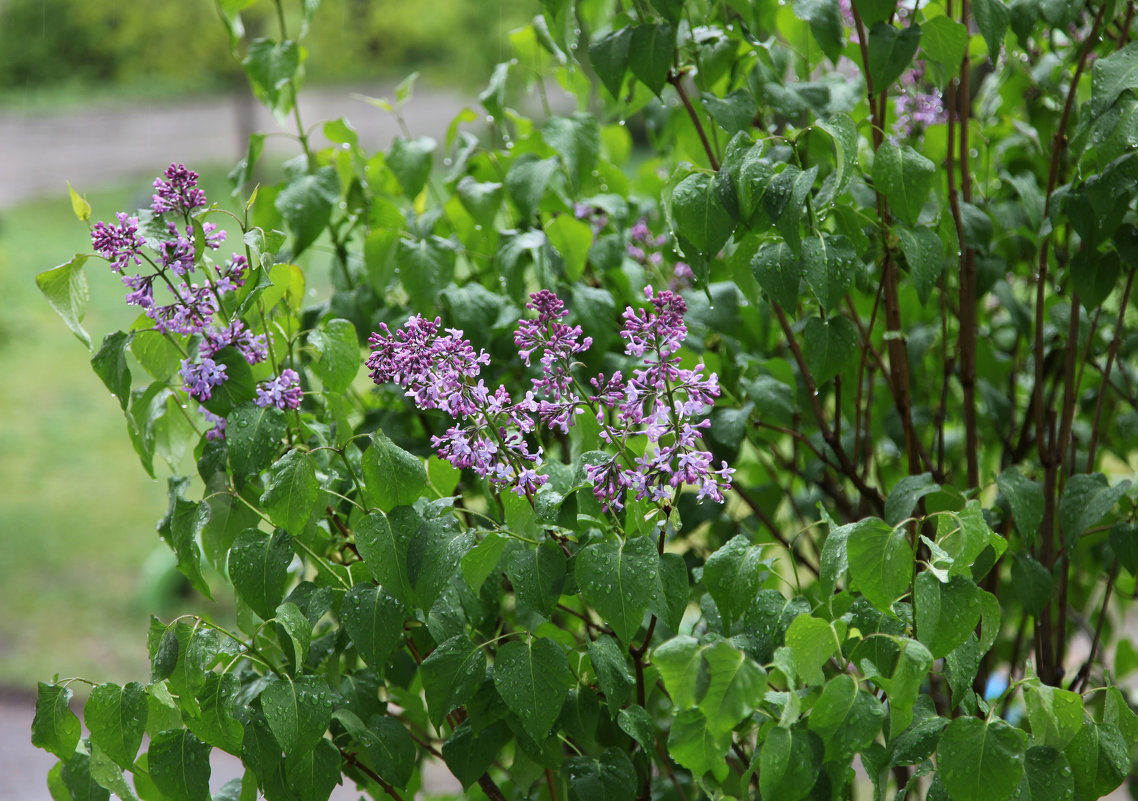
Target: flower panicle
{"points": [[659, 401]]}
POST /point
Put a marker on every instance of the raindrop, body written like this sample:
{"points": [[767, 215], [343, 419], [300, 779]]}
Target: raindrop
{"points": [[447, 161]]}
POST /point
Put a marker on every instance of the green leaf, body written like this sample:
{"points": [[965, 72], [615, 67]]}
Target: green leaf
{"points": [[1094, 275], [392, 476], [874, 11], [577, 142], [637, 723], [451, 674], [812, 641], [481, 200], [374, 621], [1032, 582], [981, 760], [619, 580], [392, 750], [338, 354], [314, 775], [924, 253], [699, 214], [890, 52], [918, 742], [827, 346], [426, 266], [789, 764], [1056, 715], [831, 265], [1086, 499], [410, 160], [179, 765], [778, 272], [107, 774], [252, 437], [533, 679], [905, 177], [1113, 75], [433, 557], [55, 727], [383, 545], [946, 612], [75, 782], [292, 491], [479, 562], [537, 576], [650, 53], [65, 288], [217, 724], [469, 753], [880, 562], [825, 21], [992, 19], [79, 204], [239, 386], [572, 239], [271, 68], [732, 575], [116, 718], [905, 684], [306, 205], [1099, 759], [843, 131], [111, 367], [527, 181], [609, 57], [944, 40], [293, 625], [735, 687], [733, 113], [610, 663], [181, 528], [681, 666], [905, 494], [1124, 543], [846, 718], [610, 777], [258, 568], [1047, 776], [692, 743], [298, 712]]}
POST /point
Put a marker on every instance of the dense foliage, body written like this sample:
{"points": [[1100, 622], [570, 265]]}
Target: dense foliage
{"points": [[789, 434]]}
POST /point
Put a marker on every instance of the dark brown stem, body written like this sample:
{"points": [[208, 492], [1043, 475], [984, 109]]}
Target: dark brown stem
{"points": [[350, 758], [491, 789], [848, 469], [1079, 683], [549, 782], [676, 79]]}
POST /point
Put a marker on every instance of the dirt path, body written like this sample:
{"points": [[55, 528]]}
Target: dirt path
{"points": [[40, 153]]}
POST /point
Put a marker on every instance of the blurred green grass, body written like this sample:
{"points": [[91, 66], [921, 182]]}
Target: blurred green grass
{"points": [[81, 565]]}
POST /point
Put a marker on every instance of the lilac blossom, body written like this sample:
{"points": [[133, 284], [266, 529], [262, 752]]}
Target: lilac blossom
{"points": [[441, 371], [915, 105], [643, 247], [202, 376], [176, 305], [178, 192], [660, 401], [284, 391], [119, 244]]}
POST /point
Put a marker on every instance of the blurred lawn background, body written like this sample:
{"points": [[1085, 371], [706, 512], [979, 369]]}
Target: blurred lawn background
{"points": [[81, 566]]}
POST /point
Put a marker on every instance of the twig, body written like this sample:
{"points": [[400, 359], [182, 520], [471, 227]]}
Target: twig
{"points": [[676, 79]]}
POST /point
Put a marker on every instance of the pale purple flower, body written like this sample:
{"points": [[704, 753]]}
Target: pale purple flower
{"points": [[252, 346], [119, 244], [283, 391], [178, 192], [200, 378], [218, 430]]}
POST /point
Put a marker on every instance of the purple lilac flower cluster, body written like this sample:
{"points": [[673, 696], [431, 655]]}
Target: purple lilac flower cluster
{"points": [[185, 307], [659, 401], [439, 370]]}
